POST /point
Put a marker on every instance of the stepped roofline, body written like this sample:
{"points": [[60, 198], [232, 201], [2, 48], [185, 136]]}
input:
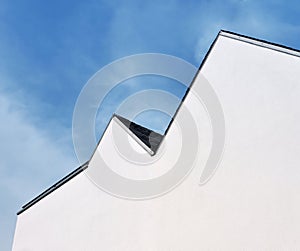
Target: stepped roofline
{"points": [[149, 139]]}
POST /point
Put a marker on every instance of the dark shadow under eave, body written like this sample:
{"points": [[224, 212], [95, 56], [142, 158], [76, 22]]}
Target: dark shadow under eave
{"points": [[150, 138]]}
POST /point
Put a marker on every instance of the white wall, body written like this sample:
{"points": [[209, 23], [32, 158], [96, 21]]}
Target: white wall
{"points": [[251, 203]]}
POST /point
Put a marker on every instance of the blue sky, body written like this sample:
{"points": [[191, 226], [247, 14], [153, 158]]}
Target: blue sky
{"points": [[49, 49]]}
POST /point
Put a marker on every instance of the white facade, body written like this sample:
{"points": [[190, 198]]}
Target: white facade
{"points": [[253, 200]]}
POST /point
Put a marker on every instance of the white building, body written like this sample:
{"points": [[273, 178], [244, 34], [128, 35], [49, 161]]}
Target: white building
{"points": [[251, 203]]}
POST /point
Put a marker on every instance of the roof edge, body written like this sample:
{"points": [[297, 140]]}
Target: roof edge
{"points": [[54, 187], [260, 43], [193, 80]]}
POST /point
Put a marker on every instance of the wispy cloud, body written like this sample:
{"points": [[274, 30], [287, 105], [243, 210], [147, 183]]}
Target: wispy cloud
{"points": [[31, 159]]}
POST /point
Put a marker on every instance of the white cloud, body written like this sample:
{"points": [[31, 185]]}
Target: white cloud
{"points": [[31, 159]]}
